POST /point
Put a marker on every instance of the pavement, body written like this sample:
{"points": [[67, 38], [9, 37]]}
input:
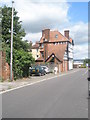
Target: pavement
{"points": [[61, 96], [7, 85]]}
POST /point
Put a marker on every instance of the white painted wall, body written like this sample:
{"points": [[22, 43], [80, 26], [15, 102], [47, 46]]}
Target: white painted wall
{"points": [[35, 53], [70, 55], [70, 64]]}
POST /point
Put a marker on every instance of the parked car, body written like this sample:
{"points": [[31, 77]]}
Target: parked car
{"points": [[46, 69], [37, 70]]}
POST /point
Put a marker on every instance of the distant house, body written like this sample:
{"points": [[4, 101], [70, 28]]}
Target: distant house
{"points": [[35, 50], [56, 48], [78, 63]]}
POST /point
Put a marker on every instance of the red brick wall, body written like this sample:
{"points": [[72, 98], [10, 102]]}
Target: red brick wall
{"points": [[64, 66], [4, 67], [66, 33], [46, 33], [50, 35], [46, 50], [61, 65]]}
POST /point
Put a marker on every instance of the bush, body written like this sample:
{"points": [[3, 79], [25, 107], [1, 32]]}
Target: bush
{"points": [[83, 66], [22, 62]]}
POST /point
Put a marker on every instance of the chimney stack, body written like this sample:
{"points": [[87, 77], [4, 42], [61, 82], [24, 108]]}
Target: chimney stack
{"points": [[46, 33], [66, 33]]}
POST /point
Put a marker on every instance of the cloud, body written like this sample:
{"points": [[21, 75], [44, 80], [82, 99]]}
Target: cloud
{"points": [[5, 2], [52, 14], [33, 37], [36, 17], [78, 32], [81, 51]]}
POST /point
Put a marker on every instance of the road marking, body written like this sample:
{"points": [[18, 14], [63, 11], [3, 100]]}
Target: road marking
{"points": [[37, 82], [85, 72]]}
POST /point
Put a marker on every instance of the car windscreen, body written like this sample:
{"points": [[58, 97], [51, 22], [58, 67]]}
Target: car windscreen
{"points": [[33, 67], [43, 67]]}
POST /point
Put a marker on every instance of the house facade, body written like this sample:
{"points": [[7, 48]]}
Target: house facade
{"points": [[35, 50], [56, 48], [78, 63]]}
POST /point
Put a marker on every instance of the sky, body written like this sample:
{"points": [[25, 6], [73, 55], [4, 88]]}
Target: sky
{"points": [[72, 16]]}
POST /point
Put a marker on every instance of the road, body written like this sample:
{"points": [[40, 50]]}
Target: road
{"points": [[61, 97]]}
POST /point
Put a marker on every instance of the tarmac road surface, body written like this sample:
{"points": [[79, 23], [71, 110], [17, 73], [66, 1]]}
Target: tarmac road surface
{"points": [[61, 97]]}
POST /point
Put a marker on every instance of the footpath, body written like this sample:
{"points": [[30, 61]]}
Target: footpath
{"points": [[6, 85]]}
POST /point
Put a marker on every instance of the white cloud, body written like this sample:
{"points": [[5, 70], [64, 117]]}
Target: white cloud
{"points": [[81, 51], [51, 14], [80, 35], [5, 2], [36, 17], [33, 37], [78, 32]]}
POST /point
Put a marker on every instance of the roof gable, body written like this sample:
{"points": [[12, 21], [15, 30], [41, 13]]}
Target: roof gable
{"points": [[40, 59], [58, 50], [35, 46], [53, 38], [51, 56], [59, 37]]}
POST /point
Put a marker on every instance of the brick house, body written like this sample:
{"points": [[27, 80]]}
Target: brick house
{"points": [[56, 48]]}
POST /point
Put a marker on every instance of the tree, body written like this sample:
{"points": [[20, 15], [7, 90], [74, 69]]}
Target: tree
{"points": [[87, 61], [0, 29], [18, 32], [22, 59]]}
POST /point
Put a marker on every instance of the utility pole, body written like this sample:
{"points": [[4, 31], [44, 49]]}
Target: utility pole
{"points": [[11, 45]]}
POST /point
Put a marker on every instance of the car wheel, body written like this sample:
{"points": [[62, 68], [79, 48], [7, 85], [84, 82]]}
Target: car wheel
{"points": [[45, 73]]}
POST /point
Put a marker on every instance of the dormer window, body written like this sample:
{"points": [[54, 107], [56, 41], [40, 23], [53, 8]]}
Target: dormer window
{"points": [[56, 36]]}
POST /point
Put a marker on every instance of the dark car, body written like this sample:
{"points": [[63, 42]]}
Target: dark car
{"points": [[37, 70]]}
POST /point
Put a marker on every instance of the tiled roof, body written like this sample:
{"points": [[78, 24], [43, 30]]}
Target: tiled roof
{"points": [[41, 40], [52, 37], [35, 46], [40, 59], [58, 50], [59, 38]]}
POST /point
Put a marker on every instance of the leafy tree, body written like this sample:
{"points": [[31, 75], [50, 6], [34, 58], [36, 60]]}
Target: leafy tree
{"points": [[30, 46], [22, 62], [0, 29], [87, 61], [22, 59], [18, 32]]}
